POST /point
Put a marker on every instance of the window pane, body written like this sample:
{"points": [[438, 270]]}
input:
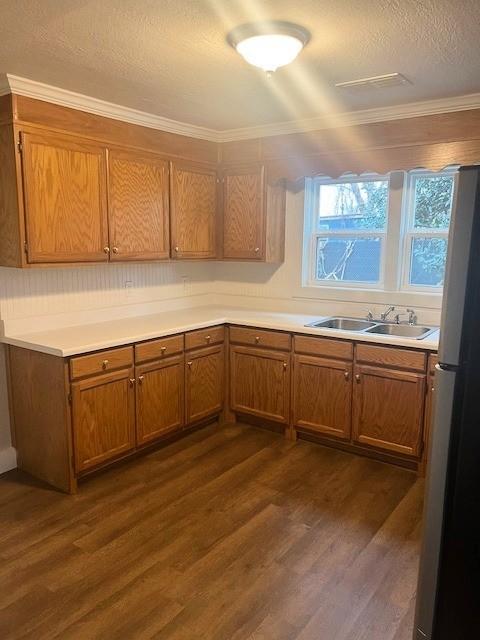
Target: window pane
{"points": [[427, 265], [353, 205], [433, 202], [348, 259]]}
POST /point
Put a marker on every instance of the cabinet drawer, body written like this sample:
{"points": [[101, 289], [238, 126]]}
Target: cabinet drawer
{"points": [[391, 357], [341, 349], [261, 338], [160, 348], [101, 362], [204, 337]]}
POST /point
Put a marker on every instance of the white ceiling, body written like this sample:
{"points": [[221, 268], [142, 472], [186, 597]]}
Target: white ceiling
{"points": [[170, 57]]}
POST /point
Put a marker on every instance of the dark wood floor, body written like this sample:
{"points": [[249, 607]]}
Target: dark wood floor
{"points": [[229, 534]]}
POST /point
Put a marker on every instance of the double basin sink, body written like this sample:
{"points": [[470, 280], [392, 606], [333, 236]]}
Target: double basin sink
{"points": [[380, 328]]}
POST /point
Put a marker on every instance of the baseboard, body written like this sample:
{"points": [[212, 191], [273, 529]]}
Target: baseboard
{"points": [[8, 459]]}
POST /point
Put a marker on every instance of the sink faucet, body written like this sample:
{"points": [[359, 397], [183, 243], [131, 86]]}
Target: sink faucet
{"points": [[386, 313], [369, 315], [412, 316]]}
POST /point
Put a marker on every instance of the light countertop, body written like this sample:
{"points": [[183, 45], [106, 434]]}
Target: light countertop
{"points": [[74, 340]]}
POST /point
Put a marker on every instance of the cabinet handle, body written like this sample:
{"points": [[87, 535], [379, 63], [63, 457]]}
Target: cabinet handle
{"points": [[257, 339], [105, 364], [208, 338], [177, 249], [115, 249], [106, 249], [346, 375], [257, 249], [357, 377], [132, 381], [189, 363], [284, 366], [141, 379], [163, 349]]}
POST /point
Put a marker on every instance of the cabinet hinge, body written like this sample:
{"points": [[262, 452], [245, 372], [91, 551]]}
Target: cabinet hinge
{"points": [[19, 146], [69, 398], [25, 247]]}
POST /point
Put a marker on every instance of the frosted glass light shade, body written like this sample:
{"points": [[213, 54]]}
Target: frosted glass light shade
{"points": [[269, 45], [269, 52]]}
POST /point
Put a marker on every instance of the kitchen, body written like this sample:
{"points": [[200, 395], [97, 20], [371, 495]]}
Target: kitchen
{"points": [[220, 356]]}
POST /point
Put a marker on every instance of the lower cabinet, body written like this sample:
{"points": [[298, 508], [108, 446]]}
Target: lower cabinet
{"points": [[260, 383], [389, 409], [103, 415], [322, 396], [204, 374], [160, 398]]}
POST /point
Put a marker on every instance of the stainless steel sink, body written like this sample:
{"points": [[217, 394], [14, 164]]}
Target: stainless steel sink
{"points": [[345, 324], [403, 330]]}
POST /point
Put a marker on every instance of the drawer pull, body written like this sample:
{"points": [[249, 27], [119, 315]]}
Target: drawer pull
{"points": [[132, 381], [357, 377], [346, 375], [189, 364], [208, 338], [284, 366], [105, 364], [257, 339], [163, 349], [141, 379]]}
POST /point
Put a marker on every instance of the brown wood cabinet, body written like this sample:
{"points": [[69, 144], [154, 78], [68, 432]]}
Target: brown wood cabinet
{"points": [[103, 416], [138, 206], [253, 214], [388, 409], [193, 189], [322, 396], [160, 398], [260, 383], [65, 199], [204, 383]]}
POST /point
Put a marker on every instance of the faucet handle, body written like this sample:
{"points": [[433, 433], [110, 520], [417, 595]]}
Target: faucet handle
{"points": [[369, 315], [412, 316]]}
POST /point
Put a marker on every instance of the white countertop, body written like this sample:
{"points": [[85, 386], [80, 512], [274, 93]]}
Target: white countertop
{"points": [[74, 340]]}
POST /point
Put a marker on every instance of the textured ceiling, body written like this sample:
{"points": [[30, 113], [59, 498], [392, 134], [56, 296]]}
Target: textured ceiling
{"points": [[170, 57]]}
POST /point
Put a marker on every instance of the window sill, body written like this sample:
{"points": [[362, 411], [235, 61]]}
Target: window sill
{"points": [[370, 296]]}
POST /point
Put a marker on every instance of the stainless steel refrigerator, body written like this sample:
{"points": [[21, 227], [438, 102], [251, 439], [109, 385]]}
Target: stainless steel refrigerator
{"points": [[448, 595]]}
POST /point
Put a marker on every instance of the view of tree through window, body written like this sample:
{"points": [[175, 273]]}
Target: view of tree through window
{"points": [[350, 213]]}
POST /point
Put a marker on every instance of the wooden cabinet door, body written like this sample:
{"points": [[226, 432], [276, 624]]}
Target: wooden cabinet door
{"points": [[204, 383], [193, 191], [103, 414], [244, 213], [160, 398], [260, 383], [322, 395], [138, 206], [389, 409], [65, 191]]}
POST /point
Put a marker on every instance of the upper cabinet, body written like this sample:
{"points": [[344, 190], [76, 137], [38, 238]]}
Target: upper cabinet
{"points": [[253, 214], [77, 189], [193, 190], [138, 206], [65, 199]]}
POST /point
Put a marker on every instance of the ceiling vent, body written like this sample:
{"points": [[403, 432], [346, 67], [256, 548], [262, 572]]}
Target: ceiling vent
{"points": [[375, 82]]}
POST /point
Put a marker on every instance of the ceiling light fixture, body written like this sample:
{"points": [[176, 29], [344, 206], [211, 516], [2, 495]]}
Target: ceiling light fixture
{"points": [[268, 45]]}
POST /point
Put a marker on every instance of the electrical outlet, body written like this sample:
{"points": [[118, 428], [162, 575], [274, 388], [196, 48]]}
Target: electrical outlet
{"points": [[186, 282], [128, 288]]}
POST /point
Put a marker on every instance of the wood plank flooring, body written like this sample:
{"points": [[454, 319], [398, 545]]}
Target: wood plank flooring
{"points": [[232, 533]]}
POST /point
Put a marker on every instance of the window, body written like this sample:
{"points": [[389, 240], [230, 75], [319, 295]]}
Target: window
{"points": [[378, 232], [348, 231], [428, 213]]}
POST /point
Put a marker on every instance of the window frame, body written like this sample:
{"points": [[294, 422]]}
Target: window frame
{"points": [[410, 232], [312, 233]]}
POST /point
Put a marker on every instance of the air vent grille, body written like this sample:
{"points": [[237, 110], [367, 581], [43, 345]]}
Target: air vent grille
{"points": [[374, 82]]}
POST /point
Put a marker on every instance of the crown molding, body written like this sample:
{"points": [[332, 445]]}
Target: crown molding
{"points": [[351, 118], [40, 91]]}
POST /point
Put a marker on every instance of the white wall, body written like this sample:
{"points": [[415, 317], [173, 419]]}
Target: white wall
{"points": [[55, 297]]}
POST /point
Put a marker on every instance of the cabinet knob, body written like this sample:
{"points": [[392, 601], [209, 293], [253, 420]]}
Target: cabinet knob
{"points": [[284, 366], [257, 339], [163, 349], [346, 375], [141, 379], [257, 249], [106, 249], [132, 381], [189, 363], [357, 377], [105, 364], [208, 338], [115, 249], [177, 249]]}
